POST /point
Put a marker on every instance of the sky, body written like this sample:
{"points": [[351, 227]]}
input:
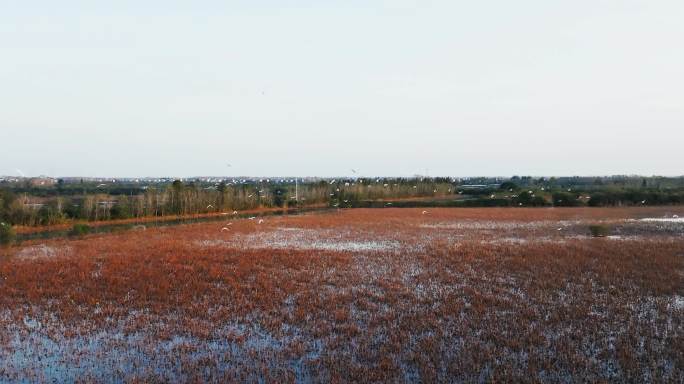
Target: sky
{"points": [[317, 88]]}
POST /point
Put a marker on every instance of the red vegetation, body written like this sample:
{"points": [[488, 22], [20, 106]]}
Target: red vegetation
{"points": [[358, 295]]}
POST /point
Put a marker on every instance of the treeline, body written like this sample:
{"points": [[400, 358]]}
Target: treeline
{"points": [[179, 198], [61, 203]]}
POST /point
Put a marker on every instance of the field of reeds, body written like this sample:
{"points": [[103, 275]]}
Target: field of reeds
{"points": [[368, 295]]}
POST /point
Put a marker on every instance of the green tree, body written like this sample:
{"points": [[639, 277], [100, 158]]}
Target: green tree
{"points": [[177, 197], [7, 235]]}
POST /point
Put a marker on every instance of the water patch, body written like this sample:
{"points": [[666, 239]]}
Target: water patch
{"points": [[42, 251], [664, 219]]}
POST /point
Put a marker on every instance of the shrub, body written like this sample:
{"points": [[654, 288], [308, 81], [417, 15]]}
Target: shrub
{"points": [[80, 230], [565, 199], [509, 185], [7, 235], [599, 230]]}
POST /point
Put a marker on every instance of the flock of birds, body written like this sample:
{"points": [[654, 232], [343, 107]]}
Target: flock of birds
{"points": [[354, 171], [226, 228]]}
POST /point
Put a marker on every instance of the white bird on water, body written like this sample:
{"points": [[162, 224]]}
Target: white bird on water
{"points": [[425, 212]]}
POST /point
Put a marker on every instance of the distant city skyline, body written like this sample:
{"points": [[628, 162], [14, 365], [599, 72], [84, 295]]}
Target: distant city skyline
{"points": [[387, 88]]}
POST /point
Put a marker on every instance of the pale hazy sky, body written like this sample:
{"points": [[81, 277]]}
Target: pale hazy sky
{"points": [[181, 88]]}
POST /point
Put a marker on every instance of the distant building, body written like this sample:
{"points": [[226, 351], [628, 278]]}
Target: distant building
{"points": [[42, 181]]}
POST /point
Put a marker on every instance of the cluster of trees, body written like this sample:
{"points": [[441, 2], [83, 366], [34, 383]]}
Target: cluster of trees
{"points": [[353, 192], [599, 183], [635, 197], [61, 202], [179, 198], [175, 199]]}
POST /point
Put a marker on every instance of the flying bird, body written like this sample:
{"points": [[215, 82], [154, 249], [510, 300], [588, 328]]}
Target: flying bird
{"points": [[225, 229], [261, 221]]}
